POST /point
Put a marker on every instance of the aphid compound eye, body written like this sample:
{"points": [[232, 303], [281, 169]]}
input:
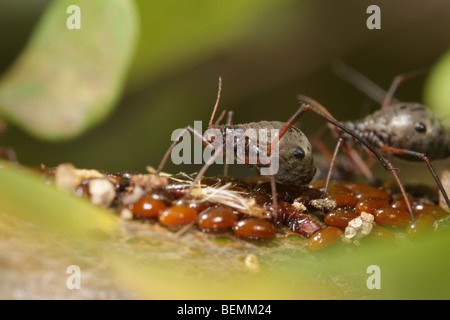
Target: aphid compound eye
{"points": [[420, 127], [299, 153]]}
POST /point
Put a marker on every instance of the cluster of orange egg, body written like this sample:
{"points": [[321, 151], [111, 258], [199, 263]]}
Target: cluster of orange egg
{"points": [[319, 230], [390, 212]]}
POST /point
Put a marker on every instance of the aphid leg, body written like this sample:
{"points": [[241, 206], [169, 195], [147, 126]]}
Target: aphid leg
{"points": [[217, 103], [177, 141], [205, 167], [317, 142], [333, 163], [403, 191], [308, 104], [397, 81], [191, 130], [361, 82], [362, 165], [230, 118], [273, 186], [353, 155], [202, 172], [371, 89], [230, 121], [350, 151], [424, 158], [204, 141], [219, 119]]}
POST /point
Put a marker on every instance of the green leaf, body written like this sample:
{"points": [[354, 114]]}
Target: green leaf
{"points": [[178, 34], [161, 264], [24, 195], [67, 80], [414, 270], [437, 89]]}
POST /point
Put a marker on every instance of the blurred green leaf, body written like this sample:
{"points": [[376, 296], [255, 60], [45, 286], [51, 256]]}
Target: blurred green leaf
{"points": [[177, 34], [437, 89], [411, 270], [24, 195], [416, 269], [65, 81]]}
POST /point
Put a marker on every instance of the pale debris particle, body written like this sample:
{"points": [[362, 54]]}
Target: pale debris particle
{"points": [[149, 181], [132, 195], [223, 195], [68, 177], [230, 198], [102, 192], [323, 204], [299, 206], [85, 174], [442, 224], [359, 227], [126, 214], [251, 262], [151, 170], [445, 179]]}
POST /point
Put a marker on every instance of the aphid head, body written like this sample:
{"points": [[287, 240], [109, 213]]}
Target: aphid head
{"points": [[414, 127], [296, 162]]}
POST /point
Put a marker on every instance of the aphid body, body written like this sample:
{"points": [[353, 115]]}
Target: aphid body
{"points": [[406, 125], [295, 161]]}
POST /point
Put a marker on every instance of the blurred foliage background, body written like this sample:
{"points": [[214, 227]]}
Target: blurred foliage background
{"points": [[266, 52]]}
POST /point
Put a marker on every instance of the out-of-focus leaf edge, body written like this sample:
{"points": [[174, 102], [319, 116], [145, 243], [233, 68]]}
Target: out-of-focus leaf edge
{"points": [[415, 269], [47, 47], [25, 195], [437, 88]]}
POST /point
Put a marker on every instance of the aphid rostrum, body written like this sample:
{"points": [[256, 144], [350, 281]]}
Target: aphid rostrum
{"points": [[407, 130], [296, 163]]}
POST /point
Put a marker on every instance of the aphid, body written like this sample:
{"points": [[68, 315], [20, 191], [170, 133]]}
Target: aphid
{"points": [[296, 163], [407, 130]]}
